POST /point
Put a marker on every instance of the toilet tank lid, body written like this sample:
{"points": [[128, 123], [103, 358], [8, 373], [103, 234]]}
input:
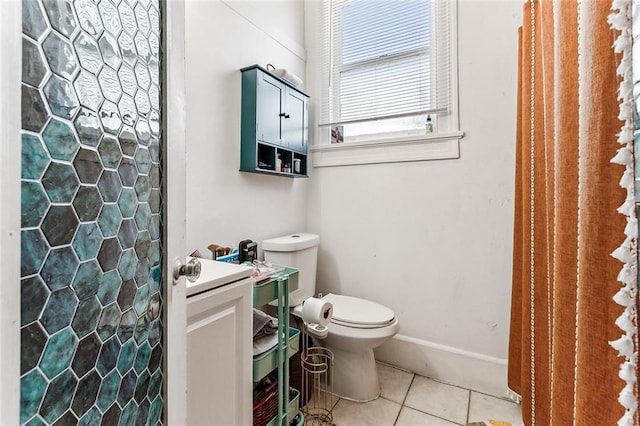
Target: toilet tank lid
{"points": [[293, 242]]}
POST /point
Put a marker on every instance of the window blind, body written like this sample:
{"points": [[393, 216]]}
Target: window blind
{"points": [[385, 59]]}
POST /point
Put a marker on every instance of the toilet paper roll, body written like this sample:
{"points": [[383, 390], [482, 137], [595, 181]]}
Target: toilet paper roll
{"points": [[317, 311]]}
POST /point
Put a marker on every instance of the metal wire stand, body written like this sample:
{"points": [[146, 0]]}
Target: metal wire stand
{"points": [[317, 388]]}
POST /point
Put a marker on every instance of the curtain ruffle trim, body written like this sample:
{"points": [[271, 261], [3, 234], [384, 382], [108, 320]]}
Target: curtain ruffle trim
{"points": [[620, 20]]}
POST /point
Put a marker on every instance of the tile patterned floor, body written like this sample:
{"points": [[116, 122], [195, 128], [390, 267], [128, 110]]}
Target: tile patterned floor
{"points": [[411, 400]]}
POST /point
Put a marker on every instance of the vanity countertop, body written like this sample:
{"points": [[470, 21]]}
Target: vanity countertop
{"points": [[216, 274]]}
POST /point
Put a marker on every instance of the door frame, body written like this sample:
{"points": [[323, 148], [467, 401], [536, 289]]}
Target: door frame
{"points": [[10, 159], [174, 211]]}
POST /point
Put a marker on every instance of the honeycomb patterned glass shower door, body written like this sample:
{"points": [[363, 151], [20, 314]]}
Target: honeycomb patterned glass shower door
{"points": [[91, 293]]}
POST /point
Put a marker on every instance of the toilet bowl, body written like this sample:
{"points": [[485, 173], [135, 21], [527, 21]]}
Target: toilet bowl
{"points": [[357, 327]]}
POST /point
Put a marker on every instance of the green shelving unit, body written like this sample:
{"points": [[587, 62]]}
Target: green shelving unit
{"points": [[277, 288]]}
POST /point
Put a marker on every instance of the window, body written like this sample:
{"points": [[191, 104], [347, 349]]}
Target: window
{"points": [[387, 66]]}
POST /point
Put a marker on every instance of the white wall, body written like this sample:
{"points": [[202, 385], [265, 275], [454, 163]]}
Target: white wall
{"points": [[225, 206], [433, 240]]}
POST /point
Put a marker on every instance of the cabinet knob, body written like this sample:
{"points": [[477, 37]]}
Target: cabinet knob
{"points": [[285, 115]]}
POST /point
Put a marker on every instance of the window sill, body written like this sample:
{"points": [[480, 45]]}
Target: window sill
{"points": [[439, 146]]}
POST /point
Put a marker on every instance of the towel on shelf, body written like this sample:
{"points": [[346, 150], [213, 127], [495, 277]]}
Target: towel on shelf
{"points": [[265, 332], [264, 344], [263, 324]]}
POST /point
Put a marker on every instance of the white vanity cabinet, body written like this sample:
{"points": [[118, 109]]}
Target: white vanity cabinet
{"points": [[219, 346]]}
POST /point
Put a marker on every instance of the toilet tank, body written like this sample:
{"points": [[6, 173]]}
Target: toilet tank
{"points": [[298, 251]]}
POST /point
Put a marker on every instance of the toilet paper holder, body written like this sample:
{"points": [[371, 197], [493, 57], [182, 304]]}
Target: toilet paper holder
{"points": [[317, 311], [317, 370], [317, 363], [317, 330]]}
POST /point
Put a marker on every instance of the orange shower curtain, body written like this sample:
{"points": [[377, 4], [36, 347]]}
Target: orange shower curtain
{"points": [[566, 224]]}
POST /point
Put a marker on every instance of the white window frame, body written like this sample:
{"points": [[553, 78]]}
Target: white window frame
{"points": [[407, 147]]}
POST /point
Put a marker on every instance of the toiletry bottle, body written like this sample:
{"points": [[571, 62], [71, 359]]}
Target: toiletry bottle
{"points": [[278, 164], [429, 124]]}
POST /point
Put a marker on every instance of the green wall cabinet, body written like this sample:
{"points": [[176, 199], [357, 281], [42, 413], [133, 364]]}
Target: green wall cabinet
{"points": [[274, 130]]}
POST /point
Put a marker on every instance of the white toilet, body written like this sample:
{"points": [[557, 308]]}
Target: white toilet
{"points": [[357, 327]]}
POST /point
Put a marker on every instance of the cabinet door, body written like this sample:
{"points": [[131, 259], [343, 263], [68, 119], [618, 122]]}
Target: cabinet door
{"points": [[268, 109], [219, 356], [294, 124]]}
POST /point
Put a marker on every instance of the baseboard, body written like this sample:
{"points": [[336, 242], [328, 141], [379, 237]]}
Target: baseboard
{"points": [[470, 370]]}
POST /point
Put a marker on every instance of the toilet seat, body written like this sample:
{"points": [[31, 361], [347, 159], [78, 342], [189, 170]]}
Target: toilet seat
{"points": [[358, 313]]}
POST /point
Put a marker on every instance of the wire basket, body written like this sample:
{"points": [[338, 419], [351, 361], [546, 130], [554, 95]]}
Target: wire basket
{"points": [[267, 407], [317, 390]]}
